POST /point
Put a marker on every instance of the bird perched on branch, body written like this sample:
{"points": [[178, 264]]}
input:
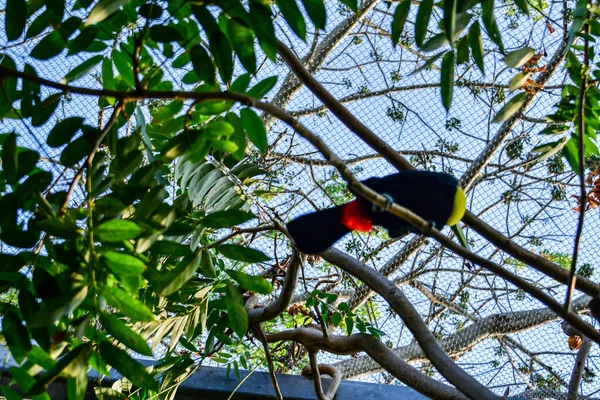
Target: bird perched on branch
{"points": [[435, 197]]}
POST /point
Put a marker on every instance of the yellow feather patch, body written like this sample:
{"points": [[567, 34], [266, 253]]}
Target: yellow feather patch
{"points": [[459, 207]]}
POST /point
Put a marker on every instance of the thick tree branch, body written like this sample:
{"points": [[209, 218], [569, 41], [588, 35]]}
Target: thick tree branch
{"points": [[495, 325], [283, 301], [314, 340]]}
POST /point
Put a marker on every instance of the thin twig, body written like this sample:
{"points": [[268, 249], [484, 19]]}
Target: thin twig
{"points": [[90, 157], [581, 172]]}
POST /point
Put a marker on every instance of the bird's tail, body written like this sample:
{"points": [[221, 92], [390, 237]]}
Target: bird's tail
{"points": [[317, 231]]}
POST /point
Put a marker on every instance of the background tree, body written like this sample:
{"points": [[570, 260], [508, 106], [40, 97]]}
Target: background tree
{"points": [[153, 151]]}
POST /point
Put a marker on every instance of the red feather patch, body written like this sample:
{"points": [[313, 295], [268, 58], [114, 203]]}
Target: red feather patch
{"points": [[354, 218]]}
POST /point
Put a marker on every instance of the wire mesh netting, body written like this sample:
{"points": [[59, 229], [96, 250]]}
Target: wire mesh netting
{"points": [[493, 330]]}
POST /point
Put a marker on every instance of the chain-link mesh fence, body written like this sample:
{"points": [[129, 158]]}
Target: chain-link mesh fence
{"points": [[493, 330]]}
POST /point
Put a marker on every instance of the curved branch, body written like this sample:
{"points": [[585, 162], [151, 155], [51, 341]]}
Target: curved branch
{"points": [[316, 370], [283, 301], [314, 340]]}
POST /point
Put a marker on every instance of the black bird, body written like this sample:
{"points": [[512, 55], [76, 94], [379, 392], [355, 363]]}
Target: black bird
{"points": [[434, 196]]}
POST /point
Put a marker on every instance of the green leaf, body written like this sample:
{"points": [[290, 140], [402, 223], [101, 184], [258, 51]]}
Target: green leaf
{"points": [[554, 130], [128, 305], [316, 11], [123, 264], [15, 18], [571, 152], [83, 41], [263, 87], [242, 38], [522, 4], [220, 48], [476, 45], [242, 253], [117, 230], [16, 336], [260, 20], [400, 15], [64, 131], [128, 367], [124, 65], [450, 7], [202, 63], [240, 84], [255, 129], [236, 311], [76, 150], [226, 219], [77, 386], [422, 21], [10, 164], [70, 364], [336, 319], [447, 79], [117, 329], [60, 227], [50, 46], [511, 107], [150, 11], [352, 4], [170, 248], [104, 9], [108, 80], [435, 42], [518, 80], [291, 13], [489, 21], [81, 70], [165, 34], [518, 58], [462, 50], [256, 284], [173, 280]]}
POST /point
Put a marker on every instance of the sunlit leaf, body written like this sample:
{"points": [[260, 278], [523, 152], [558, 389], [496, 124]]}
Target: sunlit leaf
{"points": [[518, 80], [123, 264], [104, 9], [128, 305], [510, 108], [256, 284], [518, 58], [117, 230]]}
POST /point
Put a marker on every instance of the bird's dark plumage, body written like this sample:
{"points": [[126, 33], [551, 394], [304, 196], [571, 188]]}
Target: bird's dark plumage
{"points": [[431, 195]]}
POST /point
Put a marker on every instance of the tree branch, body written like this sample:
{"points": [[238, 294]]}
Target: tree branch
{"points": [[314, 340]]}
